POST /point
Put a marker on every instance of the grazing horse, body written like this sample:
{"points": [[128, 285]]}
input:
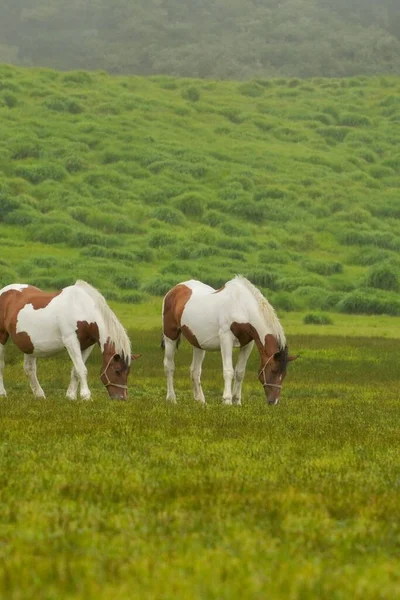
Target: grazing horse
{"points": [[235, 315], [76, 318]]}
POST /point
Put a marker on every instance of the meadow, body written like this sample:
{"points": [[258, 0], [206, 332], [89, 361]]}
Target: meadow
{"points": [[137, 183], [152, 500]]}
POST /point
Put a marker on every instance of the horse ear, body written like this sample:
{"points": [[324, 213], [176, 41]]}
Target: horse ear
{"points": [[135, 356], [290, 358]]}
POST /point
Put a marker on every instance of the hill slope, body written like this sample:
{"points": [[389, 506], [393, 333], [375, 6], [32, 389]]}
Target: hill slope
{"points": [[136, 184]]}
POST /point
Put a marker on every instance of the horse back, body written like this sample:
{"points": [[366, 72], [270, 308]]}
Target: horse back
{"points": [[13, 299]]}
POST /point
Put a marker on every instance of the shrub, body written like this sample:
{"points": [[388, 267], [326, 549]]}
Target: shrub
{"points": [[126, 280], [323, 267], [264, 278], [161, 239], [191, 204], [7, 276], [51, 234], [292, 283], [191, 93], [21, 216], [40, 172], [354, 120], [159, 286], [335, 134], [284, 301], [383, 277], [369, 256], [317, 319], [170, 215], [369, 303], [251, 89], [132, 298], [63, 104]]}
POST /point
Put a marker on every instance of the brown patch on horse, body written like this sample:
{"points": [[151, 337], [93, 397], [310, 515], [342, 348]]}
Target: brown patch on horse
{"points": [[174, 304], [189, 335], [11, 302], [271, 344], [87, 334], [245, 333]]}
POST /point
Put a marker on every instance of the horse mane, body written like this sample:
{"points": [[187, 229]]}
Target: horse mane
{"points": [[115, 331], [268, 311]]}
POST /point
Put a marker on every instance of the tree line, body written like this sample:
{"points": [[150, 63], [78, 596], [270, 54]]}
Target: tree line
{"points": [[221, 39]]}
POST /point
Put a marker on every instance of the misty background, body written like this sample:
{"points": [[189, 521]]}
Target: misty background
{"points": [[235, 39]]}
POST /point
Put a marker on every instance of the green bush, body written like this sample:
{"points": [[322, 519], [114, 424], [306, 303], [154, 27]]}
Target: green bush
{"points": [[40, 172], [369, 303], [159, 286], [170, 215], [191, 93], [161, 239], [132, 298], [191, 204], [383, 277], [322, 267], [264, 278], [317, 319], [126, 280]]}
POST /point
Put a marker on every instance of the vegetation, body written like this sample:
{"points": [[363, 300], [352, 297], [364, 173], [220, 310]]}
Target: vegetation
{"points": [[112, 500], [136, 184], [220, 39]]}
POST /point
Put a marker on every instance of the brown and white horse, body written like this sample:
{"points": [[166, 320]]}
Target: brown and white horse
{"points": [[76, 318], [235, 315]]}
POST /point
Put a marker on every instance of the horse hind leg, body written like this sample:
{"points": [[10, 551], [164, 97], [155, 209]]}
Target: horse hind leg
{"points": [[30, 371], [2, 363], [72, 390], [169, 366], [195, 374], [226, 342]]}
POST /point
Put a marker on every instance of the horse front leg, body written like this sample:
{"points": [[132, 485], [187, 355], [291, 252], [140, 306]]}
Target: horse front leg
{"points": [[2, 363], [226, 341], [30, 371], [240, 370], [74, 350], [72, 390], [195, 374], [169, 366]]}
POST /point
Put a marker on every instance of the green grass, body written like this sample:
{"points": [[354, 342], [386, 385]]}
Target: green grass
{"points": [[138, 183], [144, 499]]}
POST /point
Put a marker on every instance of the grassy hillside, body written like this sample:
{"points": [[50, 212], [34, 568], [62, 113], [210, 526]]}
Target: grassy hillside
{"points": [[138, 183]]}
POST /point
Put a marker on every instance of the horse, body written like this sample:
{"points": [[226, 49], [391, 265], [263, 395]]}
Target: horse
{"points": [[236, 315], [76, 318]]}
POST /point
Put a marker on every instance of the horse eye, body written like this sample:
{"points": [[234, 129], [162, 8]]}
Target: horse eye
{"points": [[117, 372]]}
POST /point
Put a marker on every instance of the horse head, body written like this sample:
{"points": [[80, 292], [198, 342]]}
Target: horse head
{"points": [[115, 371], [272, 372]]}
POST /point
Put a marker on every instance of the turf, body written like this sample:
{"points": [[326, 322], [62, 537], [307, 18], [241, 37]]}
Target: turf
{"points": [[151, 500]]}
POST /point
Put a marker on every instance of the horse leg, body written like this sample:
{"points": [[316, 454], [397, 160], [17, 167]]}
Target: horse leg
{"points": [[2, 353], [72, 390], [226, 342], [74, 350], [169, 366], [195, 374], [240, 369], [30, 371]]}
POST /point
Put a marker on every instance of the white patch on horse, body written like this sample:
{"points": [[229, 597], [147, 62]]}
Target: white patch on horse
{"points": [[18, 287], [113, 328], [271, 318]]}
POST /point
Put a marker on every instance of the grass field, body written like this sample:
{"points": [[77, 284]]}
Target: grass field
{"points": [[144, 499]]}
